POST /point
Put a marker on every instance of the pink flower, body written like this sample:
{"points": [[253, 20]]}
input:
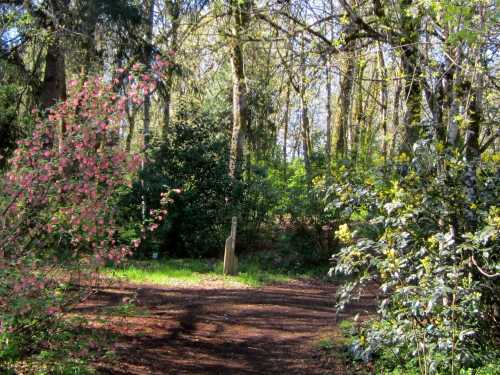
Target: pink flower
{"points": [[52, 310]]}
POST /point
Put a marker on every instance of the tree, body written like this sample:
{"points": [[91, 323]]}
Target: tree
{"points": [[239, 11]]}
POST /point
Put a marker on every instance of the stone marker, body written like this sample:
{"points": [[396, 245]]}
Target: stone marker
{"points": [[230, 258]]}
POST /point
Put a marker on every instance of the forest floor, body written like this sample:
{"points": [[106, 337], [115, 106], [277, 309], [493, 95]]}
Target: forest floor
{"points": [[213, 328]]}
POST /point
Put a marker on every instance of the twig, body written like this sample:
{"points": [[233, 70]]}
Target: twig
{"points": [[483, 272]]}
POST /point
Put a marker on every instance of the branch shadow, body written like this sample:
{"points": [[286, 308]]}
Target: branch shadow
{"points": [[222, 331]]}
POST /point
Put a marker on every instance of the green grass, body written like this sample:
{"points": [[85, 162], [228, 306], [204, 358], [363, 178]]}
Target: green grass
{"points": [[189, 271], [195, 271], [326, 344], [126, 309]]}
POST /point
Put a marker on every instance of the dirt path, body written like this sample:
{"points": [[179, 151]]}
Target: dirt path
{"points": [[271, 330]]}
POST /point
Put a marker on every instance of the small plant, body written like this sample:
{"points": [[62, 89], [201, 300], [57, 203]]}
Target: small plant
{"points": [[127, 309], [326, 344], [68, 347]]}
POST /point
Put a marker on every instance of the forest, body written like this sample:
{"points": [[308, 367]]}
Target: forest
{"points": [[249, 187]]}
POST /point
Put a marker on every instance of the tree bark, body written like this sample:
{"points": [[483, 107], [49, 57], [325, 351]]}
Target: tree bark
{"points": [[472, 151], [306, 138], [239, 22], [305, 130], [454, 94], [346, 85], [474, 86], [355, 127], [131, 128], [147, 62], [328, 145], [174, 13], [285, 128], [53, 87], [412, 88], [395, 116], [384, 101], [147, 100]]}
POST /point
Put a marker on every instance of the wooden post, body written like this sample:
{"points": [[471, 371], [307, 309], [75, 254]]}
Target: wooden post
{"points": [[230, 258]]}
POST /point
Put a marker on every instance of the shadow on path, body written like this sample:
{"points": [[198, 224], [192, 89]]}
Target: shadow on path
{"points": [[271, 330]]}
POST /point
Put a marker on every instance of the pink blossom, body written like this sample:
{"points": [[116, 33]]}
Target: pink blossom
{"points": [[52, 310], [72, 182]]}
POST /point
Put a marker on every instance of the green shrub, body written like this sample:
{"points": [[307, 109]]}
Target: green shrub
{"points": [[8, 115], [438, 311], [192, 165]]}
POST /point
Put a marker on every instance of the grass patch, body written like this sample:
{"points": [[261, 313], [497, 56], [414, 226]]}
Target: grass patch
{"points": [[196, 271], [326, 344], [126, 310], [252, 274], [164, 272], [70, 349]]}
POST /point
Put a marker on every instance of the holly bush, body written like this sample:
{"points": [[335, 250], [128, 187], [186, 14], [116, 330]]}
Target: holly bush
{"points": [[437, 269]]}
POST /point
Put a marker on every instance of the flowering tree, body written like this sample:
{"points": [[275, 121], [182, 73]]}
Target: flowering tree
{"points": [[56, 203]]}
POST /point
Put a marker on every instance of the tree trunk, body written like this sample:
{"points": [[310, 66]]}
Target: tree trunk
{"points": [[174, 13], [167, 99], [285, 128], [395, 115], [472, 152], [384, 101], [147, 100], [453, 92], [53, 87], [147, 62], [367, 119], [346, 85], [355, 127], [412, 89], [328, 145], [413, 95], [239, 21], [131, 127], [306, 138]]}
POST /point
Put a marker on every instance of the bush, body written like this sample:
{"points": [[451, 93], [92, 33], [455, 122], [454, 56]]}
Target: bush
{"points": [[56, 211], [294, 210], [192, 166], [439, 305], [8, 128]]}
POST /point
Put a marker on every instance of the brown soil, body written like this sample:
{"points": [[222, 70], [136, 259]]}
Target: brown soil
{"points": [[272, 330]]}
